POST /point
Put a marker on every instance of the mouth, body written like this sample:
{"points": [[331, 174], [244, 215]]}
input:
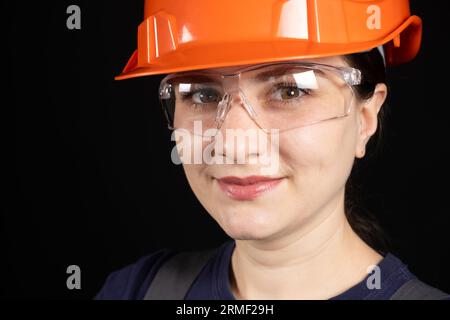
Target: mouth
{"points": [[248, 188]]}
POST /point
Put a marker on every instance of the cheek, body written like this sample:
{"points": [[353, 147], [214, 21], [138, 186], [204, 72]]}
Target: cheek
{"points": [[190, 153], [196, 179], [321, 155]]}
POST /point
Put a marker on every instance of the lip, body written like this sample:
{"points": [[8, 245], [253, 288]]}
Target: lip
{"points": [[248, 188]]}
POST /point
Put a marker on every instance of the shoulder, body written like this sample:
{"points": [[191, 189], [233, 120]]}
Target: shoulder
{"points": [[415, 289], [131, 281], [392, 280], [412, 287]]}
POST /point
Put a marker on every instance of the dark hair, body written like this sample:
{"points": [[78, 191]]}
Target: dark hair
{"points": [[362, 220]]}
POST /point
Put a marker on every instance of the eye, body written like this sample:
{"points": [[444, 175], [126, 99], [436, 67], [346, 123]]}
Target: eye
{"points": [[203, 96], [288, 91]]}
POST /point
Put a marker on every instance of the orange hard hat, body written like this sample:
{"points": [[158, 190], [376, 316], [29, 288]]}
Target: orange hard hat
{"points": [[199, 34]]}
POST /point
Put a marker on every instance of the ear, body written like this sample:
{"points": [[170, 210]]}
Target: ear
{"points": [[368, 118]]}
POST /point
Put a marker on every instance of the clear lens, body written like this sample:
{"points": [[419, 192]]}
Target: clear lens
{"points": [[280, 96]]}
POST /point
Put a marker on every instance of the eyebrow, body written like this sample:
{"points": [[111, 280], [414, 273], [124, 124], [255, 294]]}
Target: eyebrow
{"points": [[264, 75], [280, 71], [186, 78]]}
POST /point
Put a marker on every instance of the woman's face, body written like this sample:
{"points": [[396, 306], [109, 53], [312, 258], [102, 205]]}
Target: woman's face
{"points": [[314, 163]]}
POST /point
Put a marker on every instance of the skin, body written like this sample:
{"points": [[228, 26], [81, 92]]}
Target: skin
{"points": [[294, 242]]}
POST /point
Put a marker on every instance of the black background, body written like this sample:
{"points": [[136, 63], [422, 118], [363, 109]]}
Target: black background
{"points": [[88, 177]]}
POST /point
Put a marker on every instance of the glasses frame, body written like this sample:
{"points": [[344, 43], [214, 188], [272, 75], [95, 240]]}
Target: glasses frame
{"points": [[230, 82]]}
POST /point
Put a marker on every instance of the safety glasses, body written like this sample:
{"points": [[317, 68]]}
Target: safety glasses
{"points": [[282, 95]]}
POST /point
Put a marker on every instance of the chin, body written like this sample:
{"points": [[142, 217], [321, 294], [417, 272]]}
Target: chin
{"points": [[246, 225], [246, 234]]}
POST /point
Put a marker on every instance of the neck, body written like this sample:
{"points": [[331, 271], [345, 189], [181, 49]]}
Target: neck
{"points": [[319, 261]]}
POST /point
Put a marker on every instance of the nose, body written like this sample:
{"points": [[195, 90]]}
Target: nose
{"points": [[239, 130], [238, 114]]}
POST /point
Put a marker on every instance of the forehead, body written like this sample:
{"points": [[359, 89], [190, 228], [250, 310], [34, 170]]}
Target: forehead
{"points": [[335, 60]]}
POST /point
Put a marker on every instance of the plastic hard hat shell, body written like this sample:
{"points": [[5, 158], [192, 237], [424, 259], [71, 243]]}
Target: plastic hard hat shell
{"points": [[180, 36]]}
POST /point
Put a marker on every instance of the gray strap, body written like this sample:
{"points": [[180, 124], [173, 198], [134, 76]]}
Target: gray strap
{"points": [[175, 277], [415, 289]]}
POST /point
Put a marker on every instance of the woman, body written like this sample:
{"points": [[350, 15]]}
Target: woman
{"points": [[303, 83]]}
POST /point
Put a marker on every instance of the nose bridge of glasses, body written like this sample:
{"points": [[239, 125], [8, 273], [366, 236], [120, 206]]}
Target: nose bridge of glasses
{"points": [[233, 93]]}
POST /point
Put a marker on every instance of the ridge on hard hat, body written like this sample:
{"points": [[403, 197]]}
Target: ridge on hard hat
{"points": [[199, 34]]}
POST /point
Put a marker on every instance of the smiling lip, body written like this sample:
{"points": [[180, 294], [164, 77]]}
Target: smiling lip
{"points": [[247, 188]]}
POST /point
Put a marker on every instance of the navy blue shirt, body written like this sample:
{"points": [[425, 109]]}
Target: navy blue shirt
{"points": [[212, 283]]}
